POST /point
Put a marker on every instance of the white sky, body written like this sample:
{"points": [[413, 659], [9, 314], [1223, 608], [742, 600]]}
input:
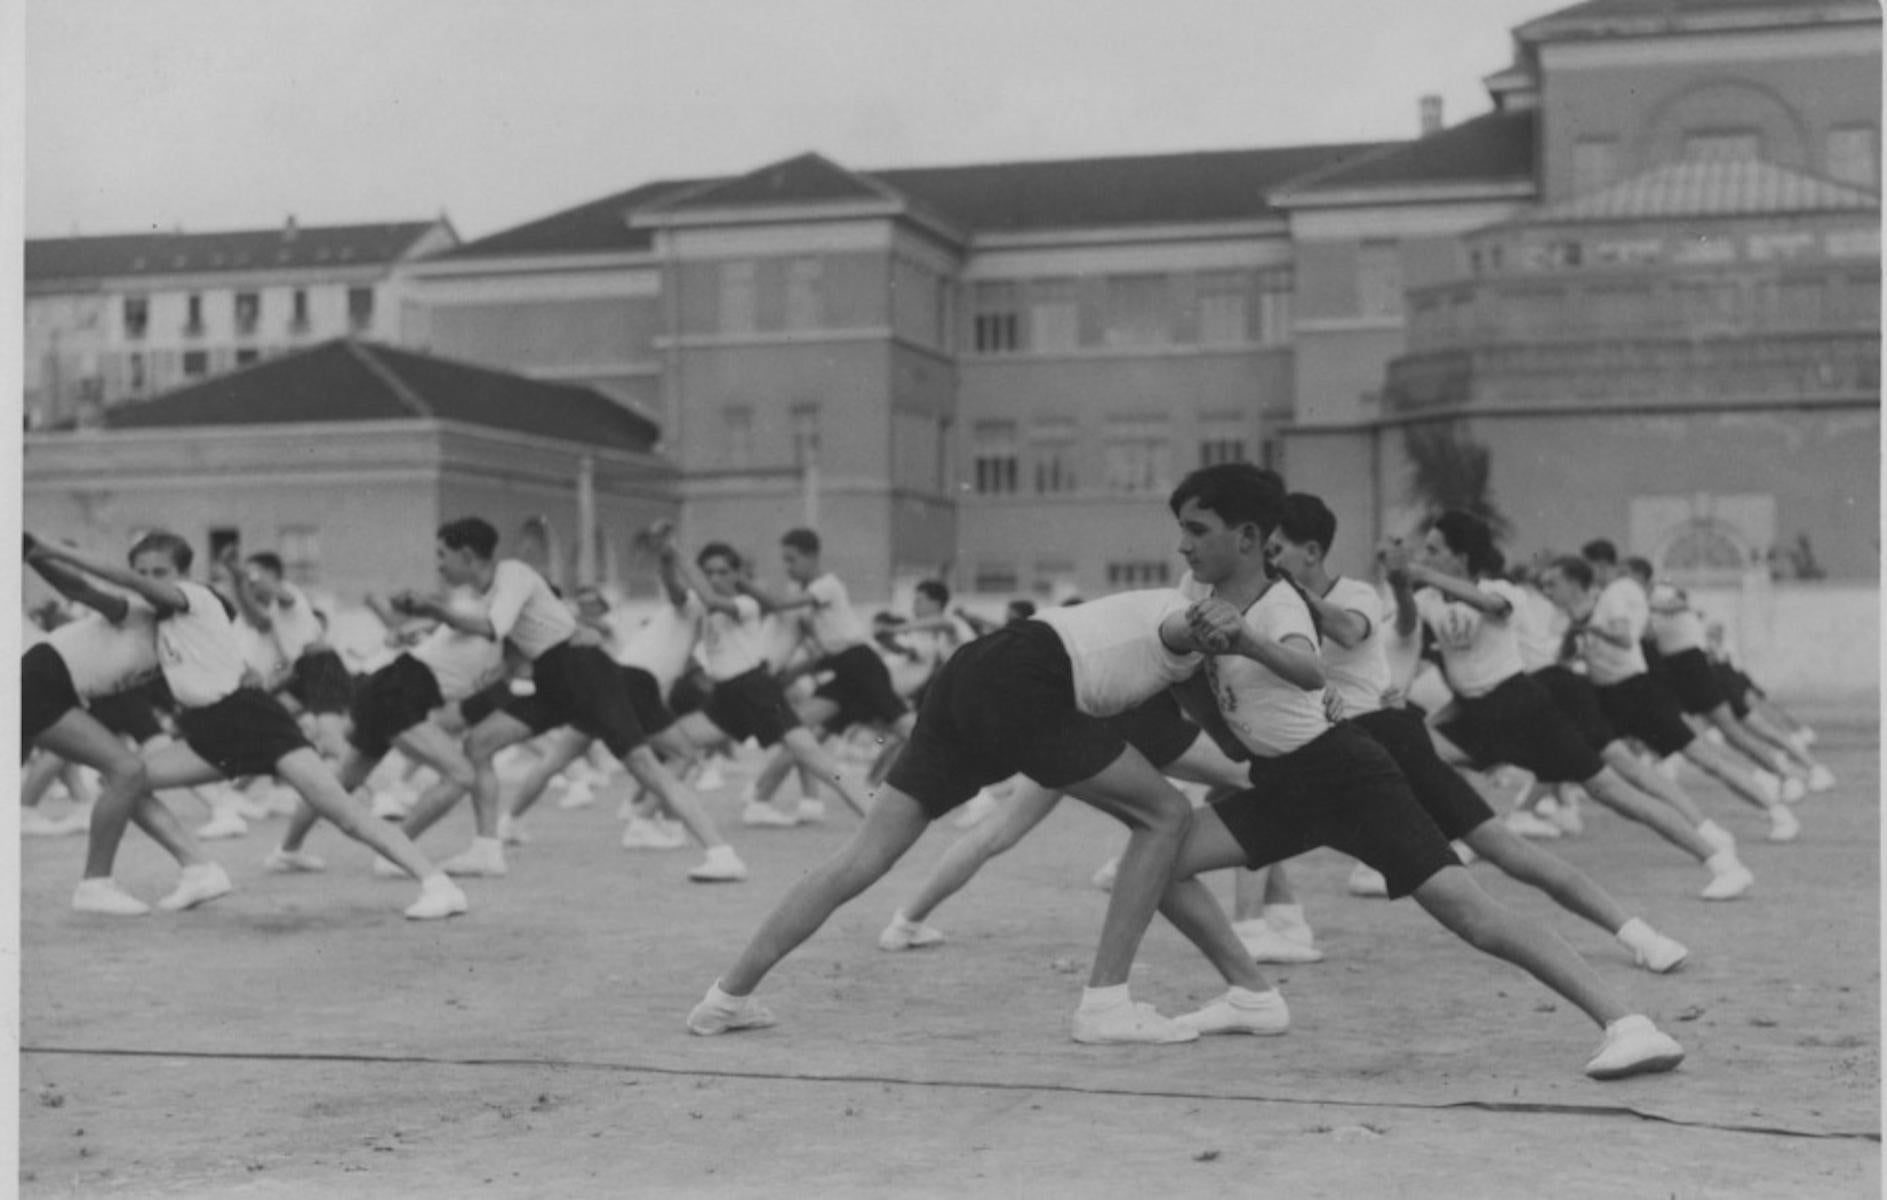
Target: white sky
{"points": [[214, 114]]}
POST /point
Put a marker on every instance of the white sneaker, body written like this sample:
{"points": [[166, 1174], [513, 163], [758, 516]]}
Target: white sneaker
{"points": [[105, 896], [1106, 873], [1793, 790], [1565, 814], [1634, 1046], [393, 804], [284, 862], [1784, 825], [485, 857], [711, 779], [1727, 880], [1268, 1018], [1660, 955], [1820, 779], [281, 800], [1528, 825], [735, 1013], [1367, 881], [1714, 736], [1769, 785], [1267, 945], [439, 898], [1718, 837], [760, 814], [221, 825], [810, 812], [904, 934], [511, 831], [979, 807], [34, 823], [643, 834], [198, 885], [1128, 1023], [580, 793], [721, 865]]}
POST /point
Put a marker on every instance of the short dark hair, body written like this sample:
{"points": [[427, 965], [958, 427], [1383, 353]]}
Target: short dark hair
{"points": [[1600, 550], [1641, 567], [1305, 518], [803, 540], [718, 550], [935, 589], [1574, 568], [1021, 610], [1471, 538], [164, 542], [1239, 493], [269, 561], [470, 533]]}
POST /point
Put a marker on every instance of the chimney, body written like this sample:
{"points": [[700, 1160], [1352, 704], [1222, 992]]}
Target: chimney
{"points": [[1431, 114], [289, 230]]}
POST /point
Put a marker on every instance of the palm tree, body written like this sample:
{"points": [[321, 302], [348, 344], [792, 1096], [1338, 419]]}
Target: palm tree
{"points": [[1450, 470]]}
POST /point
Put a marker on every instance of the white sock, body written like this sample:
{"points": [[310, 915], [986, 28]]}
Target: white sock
{"points": [[1634, 932], [437, 879], [1246, 998], [1721, 861], [1710, 829], [1102, 999], [722, 999]]}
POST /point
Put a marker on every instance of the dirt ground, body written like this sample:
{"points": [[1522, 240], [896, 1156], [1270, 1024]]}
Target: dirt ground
{"points": [[298, 1038]]}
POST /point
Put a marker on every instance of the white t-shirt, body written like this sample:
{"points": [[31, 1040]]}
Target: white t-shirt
{"points": [[1115, 647], [105, 658], [663, 644], [461, 662], [1358, 674], [832, 623], [1271, 715], [1479, 651], [198, 649], [1621, 609], [776, 637], [730, 646], [1403, 652], [525, 610], [1675, 625], [1540, 626], [262, 654], [293, 622]]}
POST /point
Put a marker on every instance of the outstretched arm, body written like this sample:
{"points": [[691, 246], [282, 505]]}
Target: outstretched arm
{"points": [[80, 590], [164, 596], [1344, 626]]}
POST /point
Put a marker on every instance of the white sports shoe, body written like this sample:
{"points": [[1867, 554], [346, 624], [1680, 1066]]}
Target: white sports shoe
{"points": [[1367, 881], [721, 865], [511, 831], [728, 1016], [810, 812], [198, 885], [485, 858], [1129, 1023], [1529, 825], [34, 823], [758, 814], [106, 897], [581, 793], [1793, 790], [903, 934], [221, 825], [284, 862], [1565, 814], [1784, 825], [711, 779], [1651, 949], [641, 833], [394, 803], [1820, 779], [1268, 1018], [439, 898], [1727, 880], [1769, 785], [1267, 945], [1634, 1046]]}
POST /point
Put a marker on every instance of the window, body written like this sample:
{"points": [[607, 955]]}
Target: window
{"points": [[193, 321], [196, 363], [995, 577], [1138, 311], [247, 356], [248, 310], [1138, 574], [740, 298], [298, 317], [359, 308], [1138, 456], [1853, 157], [137, 316], [1274, 306], [1723, 145], [1595, 164], [1221, 449], [995, 320], [805, 435], [1054, 315], [139, 381], [737, 435], [1379, 279], [300, 548], [1052, 576], [994, 455], [1052, 445], [803, 307], [1222, 310]]}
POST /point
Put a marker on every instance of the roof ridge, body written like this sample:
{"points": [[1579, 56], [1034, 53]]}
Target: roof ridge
{"points": [[369, 358]]}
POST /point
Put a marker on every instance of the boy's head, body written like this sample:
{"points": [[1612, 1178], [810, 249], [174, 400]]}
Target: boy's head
{"points": [[1305, 530], [591, 602], [932, 598], [1639, 569], [1566, 581], [1021, 610], [1226, 512], [1460, 544], [1600, 552], [799, 551], [161, 555], [264, 572], [464, 548], [721, 565]]}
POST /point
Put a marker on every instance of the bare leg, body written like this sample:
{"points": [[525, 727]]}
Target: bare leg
{"points": [[1731, 773], [1157, 817], [482, 745], [808, 753], [1027, 807], [78, 737], [566, 746], [1569, 887], [1650, 781], [1610, 790]]}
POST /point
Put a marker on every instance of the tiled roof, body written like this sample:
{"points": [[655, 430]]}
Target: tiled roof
{"points": [[1710, 189], [1603, 18], [348, 380], [282, 248], [596, 227], [1495, 146], [807, 179]]}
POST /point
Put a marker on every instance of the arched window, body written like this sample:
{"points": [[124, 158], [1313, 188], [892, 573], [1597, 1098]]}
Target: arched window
{"points": [[1705, 551]]}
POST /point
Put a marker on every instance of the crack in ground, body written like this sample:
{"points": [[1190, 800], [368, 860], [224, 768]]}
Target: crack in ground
{"points": [[1492, 1106]]}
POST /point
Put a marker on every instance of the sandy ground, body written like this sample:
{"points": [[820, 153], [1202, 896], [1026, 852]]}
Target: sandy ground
{"points": [[299, 1039]]}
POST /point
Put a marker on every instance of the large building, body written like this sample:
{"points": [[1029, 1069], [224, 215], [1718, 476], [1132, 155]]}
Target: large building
{"points": [[1664, 232], [121, 318]]}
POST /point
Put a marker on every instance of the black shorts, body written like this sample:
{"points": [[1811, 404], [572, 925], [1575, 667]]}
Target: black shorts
{"points": [[1342, 791], [1517, 723], [128, 714], [584, 688], [690, 693], [486, 701], [1003, 704], [321, 683], [1449, 800], [1157, 729], [1735, 685], [1574, 695], [46, 692], [1691, 679], [645, 695], [861, 687], [1644, 708], [392, 700], [245, 733], [751, 705]]}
